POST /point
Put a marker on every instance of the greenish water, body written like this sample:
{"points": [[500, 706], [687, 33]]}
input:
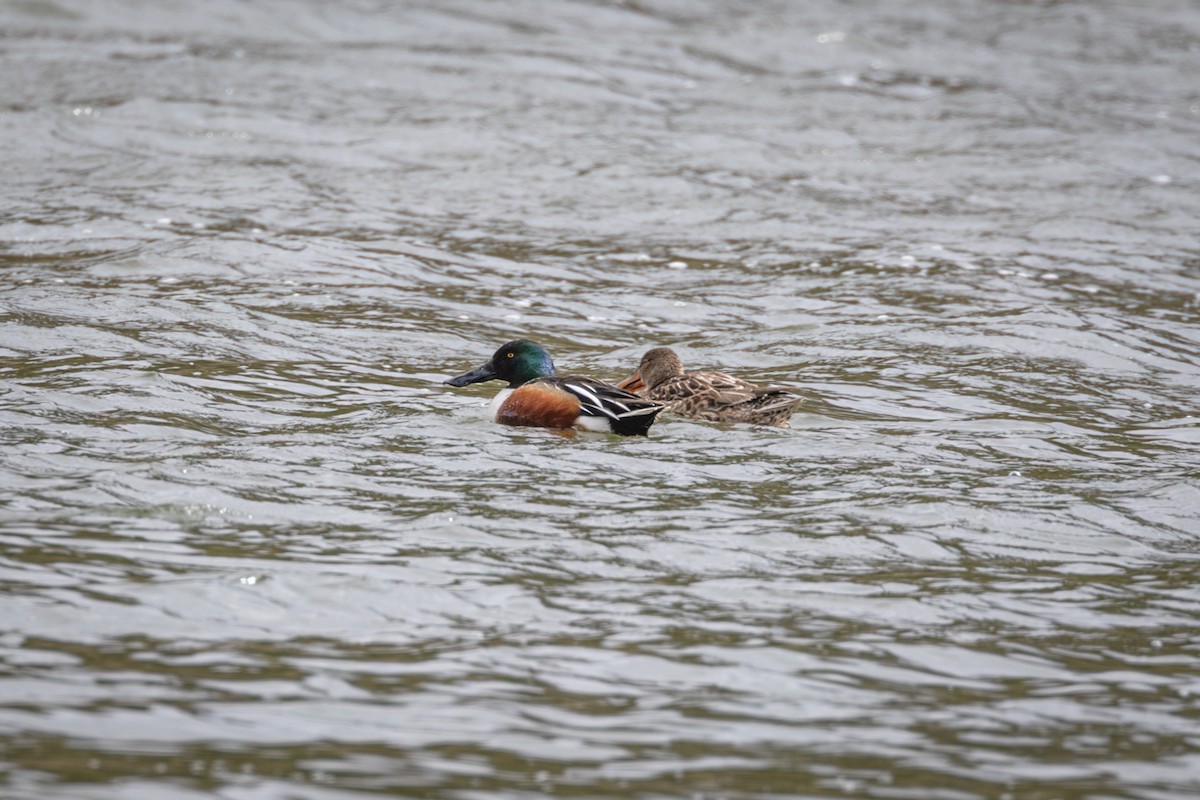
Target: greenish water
{"points": [[251, 547]]}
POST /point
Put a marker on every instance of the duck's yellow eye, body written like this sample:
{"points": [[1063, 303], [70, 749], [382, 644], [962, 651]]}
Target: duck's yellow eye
{"points": [[510, 355]]}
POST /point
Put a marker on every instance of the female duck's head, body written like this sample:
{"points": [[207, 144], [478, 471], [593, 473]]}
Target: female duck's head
{"points": [[517, 362]]}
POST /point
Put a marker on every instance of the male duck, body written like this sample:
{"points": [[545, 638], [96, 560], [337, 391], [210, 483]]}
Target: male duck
{"points": [[535, 398], [709, 395]]}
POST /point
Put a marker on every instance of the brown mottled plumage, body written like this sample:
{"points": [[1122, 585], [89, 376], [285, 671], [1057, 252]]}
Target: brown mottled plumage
{"points": [[709, 395]]}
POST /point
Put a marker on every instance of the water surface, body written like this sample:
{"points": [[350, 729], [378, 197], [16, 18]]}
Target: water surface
{"points": [[252, 548]]}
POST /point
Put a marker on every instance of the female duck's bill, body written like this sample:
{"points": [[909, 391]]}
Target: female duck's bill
{"points": [[535, 397]]}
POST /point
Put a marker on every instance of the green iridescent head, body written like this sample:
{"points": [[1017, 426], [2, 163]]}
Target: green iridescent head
{"points": [[517, 362]]}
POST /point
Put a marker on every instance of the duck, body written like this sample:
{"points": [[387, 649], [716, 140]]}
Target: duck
{"points": [[707, 394], [537, 397]]}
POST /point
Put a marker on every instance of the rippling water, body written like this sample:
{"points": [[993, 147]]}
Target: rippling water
{"points": [[252, 547]]}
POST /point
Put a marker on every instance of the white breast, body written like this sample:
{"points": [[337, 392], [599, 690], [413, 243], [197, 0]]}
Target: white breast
{"points": [[497, 401]]}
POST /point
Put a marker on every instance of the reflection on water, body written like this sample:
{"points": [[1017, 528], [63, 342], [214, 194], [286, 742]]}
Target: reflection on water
{"points": [[251, 547]]}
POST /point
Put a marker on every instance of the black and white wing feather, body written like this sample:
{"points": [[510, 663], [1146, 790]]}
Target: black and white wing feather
{"points": [[625, 412]]}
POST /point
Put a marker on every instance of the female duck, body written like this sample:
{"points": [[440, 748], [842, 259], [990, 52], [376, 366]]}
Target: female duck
{"points": [[535, 397], [709, 395]]}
